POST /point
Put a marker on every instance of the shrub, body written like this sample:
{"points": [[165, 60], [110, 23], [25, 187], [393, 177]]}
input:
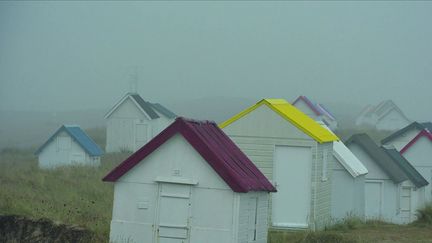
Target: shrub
{"points": [[424, 215]]}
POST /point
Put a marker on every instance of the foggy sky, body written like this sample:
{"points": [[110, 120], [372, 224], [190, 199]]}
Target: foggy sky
{"points": [[78, 55]]}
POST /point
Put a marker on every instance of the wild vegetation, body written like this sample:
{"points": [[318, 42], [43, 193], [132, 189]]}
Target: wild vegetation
{"points": [[71, 195], [77, 196]]}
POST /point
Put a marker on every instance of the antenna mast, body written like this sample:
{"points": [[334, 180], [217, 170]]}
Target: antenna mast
{"points": [[133, 82]]}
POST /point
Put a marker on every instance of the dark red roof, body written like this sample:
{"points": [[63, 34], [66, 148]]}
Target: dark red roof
{"points": [[229, 162]]}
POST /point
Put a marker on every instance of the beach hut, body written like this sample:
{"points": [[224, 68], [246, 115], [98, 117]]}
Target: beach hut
{"points": [[69, 145], [386, 116], [132, 122], [418, 152], [348, 181], [414, 144], [293, 151], [316, 111], [190, 183], [393, 188]]}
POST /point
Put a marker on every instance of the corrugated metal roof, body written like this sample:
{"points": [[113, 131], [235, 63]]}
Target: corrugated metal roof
{"points": [[229, 162], [417, 179], [384, 161], [291, 114], [79, 136], [414, 125]]}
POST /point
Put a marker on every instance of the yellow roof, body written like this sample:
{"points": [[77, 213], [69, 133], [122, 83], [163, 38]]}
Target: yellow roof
{"points": [[291, 114]]}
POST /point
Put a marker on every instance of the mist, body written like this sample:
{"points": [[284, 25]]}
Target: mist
{"points": [[209, 59]]}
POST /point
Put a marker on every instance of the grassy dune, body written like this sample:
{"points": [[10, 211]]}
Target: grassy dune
{"points": [[71, 195], [77, 196]]}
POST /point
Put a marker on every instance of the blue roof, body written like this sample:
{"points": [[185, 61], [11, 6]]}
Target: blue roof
{"points": [[79, 137]]}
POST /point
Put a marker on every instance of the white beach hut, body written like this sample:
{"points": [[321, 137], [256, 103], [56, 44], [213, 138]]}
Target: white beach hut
{"points": [[293, 151], [348, 184], [132, 122], [386, 116], [190, 183], [394, 190], [67, 146]]}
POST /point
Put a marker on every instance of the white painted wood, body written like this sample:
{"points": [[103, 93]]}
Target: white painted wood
{"points": [[292, 178], [64, 151], [419, 155], [259, 132], [141, 135], [173, 213], [374, 199], [391, 201], [348, 194], [126, 124], [156, 194]]}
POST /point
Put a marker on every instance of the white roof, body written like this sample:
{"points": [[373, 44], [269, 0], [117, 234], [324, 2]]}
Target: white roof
{"points": [[347, 159]]}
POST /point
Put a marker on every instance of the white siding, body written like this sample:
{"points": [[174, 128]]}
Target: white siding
{"points": [[260, 131], [390, 198], [392, 121], [347, 193], [247, 211], [122, 127], [214, 206], [64, 151], [419, 155]]}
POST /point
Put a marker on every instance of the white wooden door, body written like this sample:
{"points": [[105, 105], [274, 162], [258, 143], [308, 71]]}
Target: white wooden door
{"points": [[292, 176], [141, 135], [405, 204], [63, 149], [173, 213], [374, 199]]}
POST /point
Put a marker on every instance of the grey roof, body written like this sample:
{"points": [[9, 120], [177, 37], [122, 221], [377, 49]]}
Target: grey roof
{"points": [[164, 111], [146, 106], [151, 108], [414, 125], [427, 125], [417, 179], [384, 161]]}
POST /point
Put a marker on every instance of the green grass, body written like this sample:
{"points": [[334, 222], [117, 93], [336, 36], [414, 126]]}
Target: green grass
{"points": [[71, 195], [77, 196]]}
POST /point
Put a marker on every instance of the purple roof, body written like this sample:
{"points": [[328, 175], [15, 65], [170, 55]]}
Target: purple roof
{"points": [[309, 103], [229, 162]]}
